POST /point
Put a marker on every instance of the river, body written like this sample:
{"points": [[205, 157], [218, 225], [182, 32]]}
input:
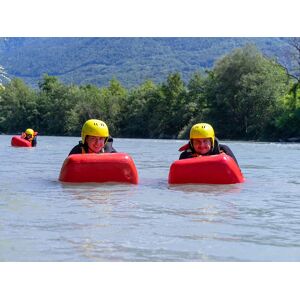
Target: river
{"points": [[43, 219]]}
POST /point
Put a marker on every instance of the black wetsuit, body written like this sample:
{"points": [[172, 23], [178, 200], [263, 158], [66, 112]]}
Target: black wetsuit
{"points": [[217, 149], [108, 148], [33, 142]]}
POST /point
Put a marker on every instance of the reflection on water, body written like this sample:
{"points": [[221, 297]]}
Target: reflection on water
{"points": [[99, 193], [43, 219], [216, 189]]}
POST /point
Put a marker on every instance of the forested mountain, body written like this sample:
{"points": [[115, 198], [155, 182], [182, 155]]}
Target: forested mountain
{"points": [[245, 95], [130, 60]]}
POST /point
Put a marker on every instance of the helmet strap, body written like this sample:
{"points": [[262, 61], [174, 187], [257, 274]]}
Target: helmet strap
{"points": [[191, 145]]}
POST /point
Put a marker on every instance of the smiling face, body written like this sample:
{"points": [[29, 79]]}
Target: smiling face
{"points": [[95, 143], [202, 146], [29, 137]]}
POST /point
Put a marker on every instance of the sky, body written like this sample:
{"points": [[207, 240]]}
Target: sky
{"points": [[147, 18]]}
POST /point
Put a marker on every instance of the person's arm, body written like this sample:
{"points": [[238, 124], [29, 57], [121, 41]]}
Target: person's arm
{"points": [[108, 148], [76, 150], [34, 142], [228, 151], [113, 150], [186, 154]]}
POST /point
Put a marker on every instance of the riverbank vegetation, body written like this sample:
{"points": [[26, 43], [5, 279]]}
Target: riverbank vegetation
{"points": [[244, 96]]}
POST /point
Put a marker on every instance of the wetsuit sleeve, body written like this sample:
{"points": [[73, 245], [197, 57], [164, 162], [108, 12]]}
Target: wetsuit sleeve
{"points": [[113, 150], [34, 142], [228, 151], [185, 155], [108, 148], [76, 150]]}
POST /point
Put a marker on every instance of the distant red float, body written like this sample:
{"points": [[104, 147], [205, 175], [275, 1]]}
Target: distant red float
{"points": [[99, 168], [213, 169], [18, 141]]}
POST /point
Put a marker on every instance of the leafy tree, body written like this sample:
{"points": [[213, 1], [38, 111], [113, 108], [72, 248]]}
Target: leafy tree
{"points": [[95, 103], [245, 95], [89, 105], [17, 107], [168, 108], [287, 124], [196, 104], [244, 92], [112, 96], [55, 102], [135, 111]]}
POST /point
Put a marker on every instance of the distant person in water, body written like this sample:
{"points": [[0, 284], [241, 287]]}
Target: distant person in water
{"points": [[95, 138], [30, 135], [203, 142]]}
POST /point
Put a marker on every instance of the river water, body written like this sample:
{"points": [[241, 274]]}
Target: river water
{"points": [[43, 219]]}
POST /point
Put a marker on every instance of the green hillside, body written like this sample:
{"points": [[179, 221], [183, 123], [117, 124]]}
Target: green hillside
{"points": [[130, 60]]}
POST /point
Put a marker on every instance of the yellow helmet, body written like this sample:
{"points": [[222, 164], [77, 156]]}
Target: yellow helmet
{"points": [[94, 127], [29, 131], [202, 131]]}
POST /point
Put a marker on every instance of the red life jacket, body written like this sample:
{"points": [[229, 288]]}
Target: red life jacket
{"points": [[187, 147], [184, 147]]}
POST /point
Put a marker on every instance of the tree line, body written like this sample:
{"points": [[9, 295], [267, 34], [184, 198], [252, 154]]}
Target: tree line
{"points": [[245, 96]]}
